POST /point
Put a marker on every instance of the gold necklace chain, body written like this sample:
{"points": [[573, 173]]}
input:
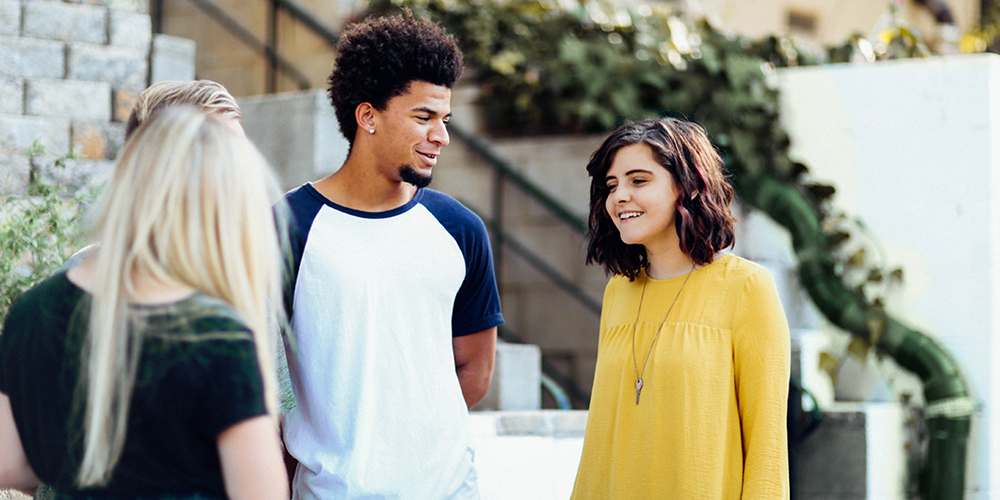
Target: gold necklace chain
{"points": [[635, 364]]}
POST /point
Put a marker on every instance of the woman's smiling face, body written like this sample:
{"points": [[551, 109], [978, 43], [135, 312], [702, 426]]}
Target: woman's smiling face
{"points": [[642, 197]]}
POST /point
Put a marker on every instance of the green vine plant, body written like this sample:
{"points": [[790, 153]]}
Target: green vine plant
{"points": [[39, 230]]}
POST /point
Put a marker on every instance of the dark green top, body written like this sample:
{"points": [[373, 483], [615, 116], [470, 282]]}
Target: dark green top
{"points": [[197, 376]]}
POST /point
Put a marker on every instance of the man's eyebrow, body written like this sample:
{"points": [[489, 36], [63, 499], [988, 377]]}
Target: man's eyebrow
{"points": [[430, 111]]}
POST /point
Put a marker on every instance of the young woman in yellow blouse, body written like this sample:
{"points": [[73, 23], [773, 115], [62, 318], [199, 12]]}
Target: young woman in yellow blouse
{"points": [[691, 385]]}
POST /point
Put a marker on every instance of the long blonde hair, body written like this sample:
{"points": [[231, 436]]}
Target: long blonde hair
{"points": [[189, 203]]}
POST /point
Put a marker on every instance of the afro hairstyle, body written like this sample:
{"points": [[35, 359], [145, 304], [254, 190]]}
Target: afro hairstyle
{"points": [[379, 57]]}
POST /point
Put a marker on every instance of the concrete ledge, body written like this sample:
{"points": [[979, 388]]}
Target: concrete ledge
{"points": [[528, 454], [517, 379], [858, 452]]}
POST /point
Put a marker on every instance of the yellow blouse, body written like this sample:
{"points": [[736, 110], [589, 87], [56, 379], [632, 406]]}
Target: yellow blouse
{"points": [[710, 423]]}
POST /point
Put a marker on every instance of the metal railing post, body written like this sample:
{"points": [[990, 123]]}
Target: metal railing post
{"points": [[271, 73], [156, 15], [498, 231]]}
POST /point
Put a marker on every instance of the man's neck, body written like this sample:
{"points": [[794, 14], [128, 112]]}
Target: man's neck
{"points": [[361, 187]]}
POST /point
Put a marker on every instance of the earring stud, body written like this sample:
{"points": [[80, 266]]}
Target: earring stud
{"points": [[371, 131]]}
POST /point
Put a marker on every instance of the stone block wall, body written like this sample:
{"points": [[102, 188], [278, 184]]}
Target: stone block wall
{"points": [[70, 72]]}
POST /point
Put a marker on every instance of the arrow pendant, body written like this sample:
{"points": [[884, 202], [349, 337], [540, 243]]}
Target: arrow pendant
{"points": [[638, 389]]}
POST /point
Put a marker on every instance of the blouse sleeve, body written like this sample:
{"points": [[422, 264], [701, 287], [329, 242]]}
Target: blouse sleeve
{"points": [[235, 387], [762, 361]]}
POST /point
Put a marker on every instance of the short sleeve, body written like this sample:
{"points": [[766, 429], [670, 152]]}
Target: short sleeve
{"points": [[234, 388], [477, 304], [763, 364], [8, 339]]}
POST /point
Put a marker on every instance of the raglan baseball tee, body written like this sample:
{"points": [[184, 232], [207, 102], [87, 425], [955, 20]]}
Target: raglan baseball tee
{"points": [[376, 301]]}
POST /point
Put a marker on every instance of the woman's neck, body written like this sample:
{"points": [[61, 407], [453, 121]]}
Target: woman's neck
{"points": [[147, 289], [669, 262]]}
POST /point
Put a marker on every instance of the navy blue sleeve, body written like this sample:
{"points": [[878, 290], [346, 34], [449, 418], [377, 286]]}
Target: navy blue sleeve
{"points": [[302, 207], [477, 304]]}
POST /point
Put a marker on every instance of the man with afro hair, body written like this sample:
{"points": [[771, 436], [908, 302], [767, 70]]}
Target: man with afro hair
{"points": [[394, 306]]}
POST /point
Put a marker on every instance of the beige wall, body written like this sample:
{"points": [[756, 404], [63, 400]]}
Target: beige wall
{"points": [[835, 19]]}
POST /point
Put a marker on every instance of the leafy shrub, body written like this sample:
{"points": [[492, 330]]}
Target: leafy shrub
{"points": [[38, 231]]}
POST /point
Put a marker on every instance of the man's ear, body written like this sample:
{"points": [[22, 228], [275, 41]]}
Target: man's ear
{"points": [[365, 115]]}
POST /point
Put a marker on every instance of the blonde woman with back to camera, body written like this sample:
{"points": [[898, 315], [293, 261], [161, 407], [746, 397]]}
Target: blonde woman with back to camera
{"points": [[162, 389], [691, 382]]}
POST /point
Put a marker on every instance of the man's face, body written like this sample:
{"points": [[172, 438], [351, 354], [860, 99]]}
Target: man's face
{"points": [[411, 131]]}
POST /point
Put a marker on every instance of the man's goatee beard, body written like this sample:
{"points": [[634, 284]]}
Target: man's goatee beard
{"points": [[409, 175]]}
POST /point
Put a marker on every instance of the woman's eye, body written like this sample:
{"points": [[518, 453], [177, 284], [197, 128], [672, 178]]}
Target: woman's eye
{"points": [[638, 182], [611, 187]]}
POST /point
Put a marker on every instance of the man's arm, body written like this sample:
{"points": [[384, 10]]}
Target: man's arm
{"points": [[474, 356]]}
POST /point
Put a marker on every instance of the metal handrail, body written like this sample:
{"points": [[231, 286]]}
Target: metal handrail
{"points": [[249, 39], [550, 272], [305, 17], [504, 169]]}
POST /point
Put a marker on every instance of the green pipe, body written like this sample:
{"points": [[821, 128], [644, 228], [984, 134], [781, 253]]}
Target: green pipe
{"points": [[949, 408]]}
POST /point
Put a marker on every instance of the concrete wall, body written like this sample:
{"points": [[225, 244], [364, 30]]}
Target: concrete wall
{"points": [[69, 74], [297, 133], [912, 147]]}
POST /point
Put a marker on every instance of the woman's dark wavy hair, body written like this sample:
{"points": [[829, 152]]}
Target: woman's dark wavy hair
{"points": [[379, 57], [704, 222]]}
